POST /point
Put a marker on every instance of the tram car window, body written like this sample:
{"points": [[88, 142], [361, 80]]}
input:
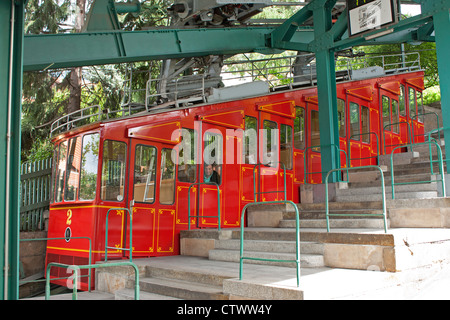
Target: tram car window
{"points": [[341, 117], [61, 170], [212, 157], [144, 174], [89, 166], [167, 183], [73, 169], [286, 145], [365, 124], [113, 172], [187, 169], [315, 132], [354, 121], [250, 140], [412, 103], [271, 142], [299, 128], [386, 104], [402, 102], [395, 116]]}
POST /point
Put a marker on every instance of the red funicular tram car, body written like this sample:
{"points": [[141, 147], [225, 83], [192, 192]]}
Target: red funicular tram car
{"points": [[146, 163]]}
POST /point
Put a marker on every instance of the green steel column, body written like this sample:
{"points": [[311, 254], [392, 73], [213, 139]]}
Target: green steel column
{"points": [[442, 35], [326, 87], [11, 38]]}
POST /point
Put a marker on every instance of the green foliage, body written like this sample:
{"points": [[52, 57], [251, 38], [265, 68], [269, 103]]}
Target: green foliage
{"points": [[40, 150], [45, 16]]}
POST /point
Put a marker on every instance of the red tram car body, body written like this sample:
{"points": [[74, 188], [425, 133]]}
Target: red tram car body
{"points": [[113, 163]]}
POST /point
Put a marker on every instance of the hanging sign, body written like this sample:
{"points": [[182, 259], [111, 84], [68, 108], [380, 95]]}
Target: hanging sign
{"points": [[368, 15]]}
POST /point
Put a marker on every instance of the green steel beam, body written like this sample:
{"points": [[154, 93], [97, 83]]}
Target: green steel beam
{"points": [[96, 48], [11, 37]]}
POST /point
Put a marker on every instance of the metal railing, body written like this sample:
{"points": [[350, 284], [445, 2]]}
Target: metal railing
{"points": [[77, 268], [363, 134], [63, 238], [259, 186], [383, 199], [279, 72], [297, 239], [130, 249], [441, 167], [198, 216], [338, 151], [297, 225], [409, 136], [438, 130], [390, 63]]}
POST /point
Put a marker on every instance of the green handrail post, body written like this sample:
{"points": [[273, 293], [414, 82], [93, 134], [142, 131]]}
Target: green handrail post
{"points": [[441, 167], [76, 268], [218, 203], [297, 238], [338, 151], [362, 134], [131, 233], [383, 195]]}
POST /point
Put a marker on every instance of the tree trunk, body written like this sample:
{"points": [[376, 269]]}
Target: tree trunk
{"points": [[75, 78]]}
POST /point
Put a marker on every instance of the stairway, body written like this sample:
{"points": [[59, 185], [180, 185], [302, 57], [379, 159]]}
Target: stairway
{"points": [[210, 258]]}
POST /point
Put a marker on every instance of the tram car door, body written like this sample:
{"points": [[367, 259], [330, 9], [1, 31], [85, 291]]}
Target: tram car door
{"points": [[220, 167], [415, 106], [394, 131], [152, 189], [359, 125], [276, 150], [312, 152]]}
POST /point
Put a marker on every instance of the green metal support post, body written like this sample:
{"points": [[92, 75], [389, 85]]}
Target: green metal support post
{"points": [[326, 85], [441, 27], [11, 54]]}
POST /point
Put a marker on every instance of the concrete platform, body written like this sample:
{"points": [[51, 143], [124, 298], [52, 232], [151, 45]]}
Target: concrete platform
{"points": [[267, 282]]}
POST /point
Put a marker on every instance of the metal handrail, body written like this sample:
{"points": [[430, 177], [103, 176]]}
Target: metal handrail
{"points": [[259, 187], [362, 134], [76, 268], [383, 195], [441, 168], [305, 159], [64, 238], [131, 234], [297, 238], [396, 123], [218, 203], [438, 130]]}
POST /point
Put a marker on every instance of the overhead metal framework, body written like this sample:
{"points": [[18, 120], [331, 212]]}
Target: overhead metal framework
{"points": [[102, 43]]}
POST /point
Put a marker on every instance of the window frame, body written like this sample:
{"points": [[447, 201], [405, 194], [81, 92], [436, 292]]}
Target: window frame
{"points": [[174, 179], [155, 176], [124, 170]]}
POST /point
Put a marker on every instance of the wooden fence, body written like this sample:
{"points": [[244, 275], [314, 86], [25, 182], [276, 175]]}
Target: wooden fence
{"points": [[35, 185]]}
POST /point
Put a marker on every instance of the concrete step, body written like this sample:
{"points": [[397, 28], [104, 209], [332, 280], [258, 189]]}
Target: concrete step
{"points": [[306, 260], [377, 189], [356, 205], [128, 294], [342, 223], [182, 289], [270, 246], [388, 180], [398, 195]]}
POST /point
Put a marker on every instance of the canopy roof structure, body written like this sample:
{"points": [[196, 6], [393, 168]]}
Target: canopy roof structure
{"points": [[319, 26]]}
